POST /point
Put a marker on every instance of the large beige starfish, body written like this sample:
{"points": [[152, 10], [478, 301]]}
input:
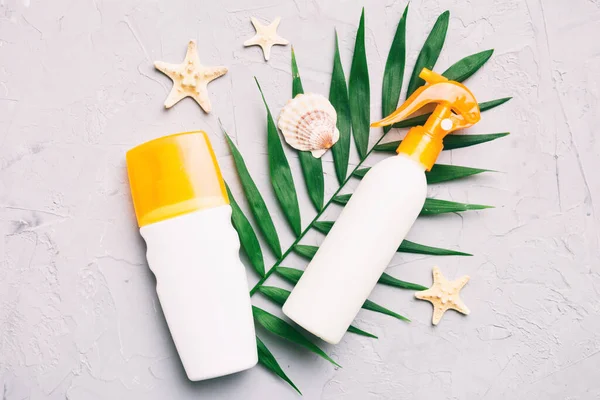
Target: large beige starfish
{"points": [[266, 36], [444, 295], [190, 78]]}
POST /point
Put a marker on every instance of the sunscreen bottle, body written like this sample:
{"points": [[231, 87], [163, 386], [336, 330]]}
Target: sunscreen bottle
{"points": [[379, 214], [184, 216]]}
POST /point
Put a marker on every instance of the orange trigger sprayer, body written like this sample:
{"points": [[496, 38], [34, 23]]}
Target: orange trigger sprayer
{"points": [[456, 109], [380, 213]]}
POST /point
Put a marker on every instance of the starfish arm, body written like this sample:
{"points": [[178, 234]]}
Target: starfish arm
{"points": [[280, 41], [461, 282], [438, 313], [202, 98], [266, 51], [437, 275], [253, 41], [257, 25], [211, 73], [192, 51], [174, 97], [273, 25], [424, 295], [460, 307], [171, 70]]}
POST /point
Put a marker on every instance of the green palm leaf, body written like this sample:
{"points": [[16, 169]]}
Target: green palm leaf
{"points": [[358, 331], [281, 175], [430, 51], [371, 306], [312, 167], [389, 280], [444, 173], [255, 200], [305, 251], [439, 173], [291, 275], [248, 240], [266, 358], [463, 69], [360, 92], [405, 247], [415, 248], [451, 142], [338, 96], [282, 329], [393, 75], [431, 207], [279, 296], [435, 206]]}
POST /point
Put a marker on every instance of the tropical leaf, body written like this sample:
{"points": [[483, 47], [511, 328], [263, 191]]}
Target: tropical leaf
{"points": [[393, 74], [281, 174], [359, 92], [371, 306], [279, 296], [255, 200], [431, 207], [435, 206], [266, 358], [389, 280], [305, 250], [451, 142], [282, 329], [312, 167], [421, 119], [463, 69], [248, 240], [439, 173], [338, 96], [291, 275], [405, 247], [410, 247], [444, 173], [353, 329], [323, 226], [429, 52]]}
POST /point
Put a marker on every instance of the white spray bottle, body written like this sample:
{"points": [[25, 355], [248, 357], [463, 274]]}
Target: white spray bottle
{"points": [[379, 214]]}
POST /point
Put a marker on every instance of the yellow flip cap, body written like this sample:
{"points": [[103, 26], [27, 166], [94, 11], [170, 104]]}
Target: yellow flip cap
{"points": [[174, 175]]}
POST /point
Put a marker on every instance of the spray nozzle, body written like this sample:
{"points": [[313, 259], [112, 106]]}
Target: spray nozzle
{"points": [[456, 109]]}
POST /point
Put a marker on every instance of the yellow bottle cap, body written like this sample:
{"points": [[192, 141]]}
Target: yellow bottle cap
{"points": [[456, 109], [174, 175]]}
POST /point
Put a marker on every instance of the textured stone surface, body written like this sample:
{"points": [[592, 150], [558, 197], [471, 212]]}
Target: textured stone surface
{"points": [[79, 317]]}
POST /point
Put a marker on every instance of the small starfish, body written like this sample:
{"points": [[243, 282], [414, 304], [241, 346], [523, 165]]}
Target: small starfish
{"points": [[266, 36], [444, 295], [190, 78]]}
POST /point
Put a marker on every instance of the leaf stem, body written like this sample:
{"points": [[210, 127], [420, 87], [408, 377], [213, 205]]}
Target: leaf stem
{"points": [[315, 219]]}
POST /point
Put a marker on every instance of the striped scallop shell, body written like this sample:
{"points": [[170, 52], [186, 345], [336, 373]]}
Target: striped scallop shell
{"points": [[308, 123]]}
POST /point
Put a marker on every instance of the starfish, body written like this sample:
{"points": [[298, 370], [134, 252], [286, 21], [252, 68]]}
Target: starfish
{"points": [[444, 295], [190, 78], [266, 36]]}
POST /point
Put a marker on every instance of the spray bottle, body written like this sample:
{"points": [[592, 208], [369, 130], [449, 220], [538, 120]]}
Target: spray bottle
{"points": [[379, 214]]}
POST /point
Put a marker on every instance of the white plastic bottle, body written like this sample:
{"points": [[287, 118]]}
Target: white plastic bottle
{"points": [[378, 216], [184, 216]]}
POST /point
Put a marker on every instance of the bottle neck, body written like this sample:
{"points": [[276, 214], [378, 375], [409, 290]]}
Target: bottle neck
{"points": [[421, 147]]}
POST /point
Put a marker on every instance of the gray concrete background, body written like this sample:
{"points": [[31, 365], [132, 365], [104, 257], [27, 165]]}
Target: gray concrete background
{"points": [[79, 318]]}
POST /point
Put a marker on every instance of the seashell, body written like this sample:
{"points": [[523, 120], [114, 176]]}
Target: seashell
{"points": [[308, 123]]}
